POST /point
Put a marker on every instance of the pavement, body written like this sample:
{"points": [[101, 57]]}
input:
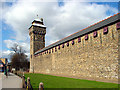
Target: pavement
{"points": [[12, 81], [0, 81]]}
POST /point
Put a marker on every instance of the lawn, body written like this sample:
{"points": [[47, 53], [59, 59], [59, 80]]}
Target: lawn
{"points": [[64, 82]]}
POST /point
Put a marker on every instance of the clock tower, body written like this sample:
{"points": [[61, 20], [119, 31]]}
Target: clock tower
{"points": [[37, 33]]}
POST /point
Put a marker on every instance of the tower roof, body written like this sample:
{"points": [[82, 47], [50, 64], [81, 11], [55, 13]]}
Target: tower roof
{"points": [[38, 22], [40, 25]]}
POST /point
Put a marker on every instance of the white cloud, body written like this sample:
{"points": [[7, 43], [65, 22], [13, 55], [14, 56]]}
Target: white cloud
{"points": [[10, 43], [101, 0], [61, 0], [6, 54], [8, 0], [60, 21], [0, 39], [0, 52]]}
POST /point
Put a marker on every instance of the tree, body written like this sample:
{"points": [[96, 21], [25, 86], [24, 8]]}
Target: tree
{"points": [[18, 58]]}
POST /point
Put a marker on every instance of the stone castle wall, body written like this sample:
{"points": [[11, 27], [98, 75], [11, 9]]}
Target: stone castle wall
{"points": [[95, 58]]}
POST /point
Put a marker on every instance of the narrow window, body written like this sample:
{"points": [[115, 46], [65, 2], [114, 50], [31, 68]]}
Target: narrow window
{"points": [[63, 45], [55, 49], [79, 39], [118, 25], [95, 34], [86, 37], [105, 30], [67, 44], [72, 42], [59, 47]]}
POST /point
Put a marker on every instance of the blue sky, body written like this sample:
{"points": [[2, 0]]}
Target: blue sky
{"points": [[17, 17]]}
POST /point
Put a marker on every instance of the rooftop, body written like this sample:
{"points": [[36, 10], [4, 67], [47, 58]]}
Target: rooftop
{"points": [[40, 25], [39, 20]]}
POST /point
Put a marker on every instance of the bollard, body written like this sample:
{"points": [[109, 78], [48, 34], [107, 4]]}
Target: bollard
{"points": [[23, 73], [23, 82], [29, 84], [41, 86]]}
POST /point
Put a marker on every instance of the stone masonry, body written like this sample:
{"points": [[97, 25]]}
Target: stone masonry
{"points": [[93, 55]]}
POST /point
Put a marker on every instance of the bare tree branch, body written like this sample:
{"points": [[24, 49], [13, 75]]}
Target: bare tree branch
{"points": [[19, 59], [15, 47]]}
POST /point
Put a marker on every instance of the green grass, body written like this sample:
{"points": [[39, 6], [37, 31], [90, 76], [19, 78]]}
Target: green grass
{"points": [[64, 82]]}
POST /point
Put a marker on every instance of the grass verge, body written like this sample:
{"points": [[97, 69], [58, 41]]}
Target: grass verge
{"points": [[64, 82]]}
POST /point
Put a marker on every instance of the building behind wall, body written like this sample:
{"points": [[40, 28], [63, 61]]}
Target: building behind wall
{"points": [[1, 66], [3, 63], [91, 53]]}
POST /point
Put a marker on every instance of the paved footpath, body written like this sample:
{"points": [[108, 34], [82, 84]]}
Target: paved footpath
{"points": [[12, 81], [0, 81]]}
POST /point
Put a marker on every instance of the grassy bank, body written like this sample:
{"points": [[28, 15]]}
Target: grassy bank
{"points": [[64, 82]]}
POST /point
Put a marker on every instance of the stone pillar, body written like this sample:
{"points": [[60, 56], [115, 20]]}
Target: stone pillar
{"points": [[41, 86], [29, 84], [23, 81]]}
